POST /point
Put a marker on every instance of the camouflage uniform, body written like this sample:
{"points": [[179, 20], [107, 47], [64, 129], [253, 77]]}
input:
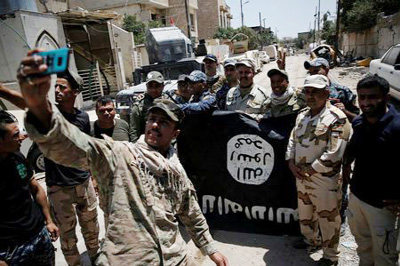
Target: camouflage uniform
{"points": [[251, 103], [293, 105], [143, 198], [215, 83], [319, 142], [137, 120], [37, 251], [62, 201]]}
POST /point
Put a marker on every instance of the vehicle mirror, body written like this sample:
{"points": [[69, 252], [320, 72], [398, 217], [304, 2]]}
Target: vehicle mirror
{"points": [[397, 67]]}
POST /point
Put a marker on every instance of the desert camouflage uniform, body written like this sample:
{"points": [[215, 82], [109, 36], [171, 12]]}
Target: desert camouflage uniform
{"points": [[319, 142], [293, 105], [142, 206], [251, 103]]}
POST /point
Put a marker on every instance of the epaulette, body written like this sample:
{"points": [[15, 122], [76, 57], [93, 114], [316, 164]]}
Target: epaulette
{"points": [[337, 112]]}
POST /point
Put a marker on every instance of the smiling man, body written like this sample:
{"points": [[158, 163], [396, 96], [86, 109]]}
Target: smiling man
{"points": [[247, 96], [315, 151], [25, 223], [284, 100], [374, 202], [145, 186]]}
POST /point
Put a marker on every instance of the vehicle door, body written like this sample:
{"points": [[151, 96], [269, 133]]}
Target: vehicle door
{"points": [[386, 68]]}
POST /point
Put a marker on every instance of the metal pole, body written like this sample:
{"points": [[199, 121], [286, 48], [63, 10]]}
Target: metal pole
{"points": [[188, 20], [319, 11], [241, 10], [264, 22], [339, 6], [315, 16]]}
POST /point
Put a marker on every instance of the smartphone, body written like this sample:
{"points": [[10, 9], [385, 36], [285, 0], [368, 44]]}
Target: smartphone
{"points": [[56, 60]]}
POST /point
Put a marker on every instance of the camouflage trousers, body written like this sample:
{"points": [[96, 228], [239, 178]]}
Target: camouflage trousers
{"points": [[37, 251], [67, 203], [319, 201]]}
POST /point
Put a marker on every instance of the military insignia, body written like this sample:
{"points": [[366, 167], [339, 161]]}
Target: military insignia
{"points": [[22, 171]]}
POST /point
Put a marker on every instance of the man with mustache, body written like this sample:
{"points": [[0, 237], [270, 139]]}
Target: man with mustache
{"points": [[70, 189], [314, 152], [144, 184], [247, 97], [374, 202]]}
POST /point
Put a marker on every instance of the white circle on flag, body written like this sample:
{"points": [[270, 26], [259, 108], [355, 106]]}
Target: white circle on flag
{"points": [[250, 159]]}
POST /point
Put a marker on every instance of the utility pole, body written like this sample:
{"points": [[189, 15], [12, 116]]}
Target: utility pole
{"points": [[319, 11], [315, 17], [339, 6], [264, 22], [261, 30], [188, 20], [241, 10]]}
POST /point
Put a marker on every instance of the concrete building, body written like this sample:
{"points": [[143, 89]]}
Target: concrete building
{"points": [[166, 12], [212, 14]]}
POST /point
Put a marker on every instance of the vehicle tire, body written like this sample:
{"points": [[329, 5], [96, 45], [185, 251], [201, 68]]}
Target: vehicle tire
{"points": [[36, 159]]}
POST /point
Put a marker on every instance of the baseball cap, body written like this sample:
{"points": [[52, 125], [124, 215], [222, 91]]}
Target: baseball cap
{"points": [[316, 81], [275, 71], [197, 76], [182, 77], [73, 78], [155, 76], [169, 107], [316, 62], [247, 62], [210, 57], [229, 62]]}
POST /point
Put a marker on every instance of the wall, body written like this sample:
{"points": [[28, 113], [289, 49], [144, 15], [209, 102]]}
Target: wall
{"points": [[374, 41], [177, 12], [207, 18]]}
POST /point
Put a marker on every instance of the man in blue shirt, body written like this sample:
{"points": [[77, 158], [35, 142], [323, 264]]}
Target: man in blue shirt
{"points": [[374, 203]]}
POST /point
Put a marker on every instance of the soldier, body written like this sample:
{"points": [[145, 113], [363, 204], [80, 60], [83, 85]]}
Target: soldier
{"points": [[70, 190], [107, 124], [154, 89], [284, 100], [374, 203], [202, 100], [146, 186], [26, 226], [183, 94], [227, 83], [339, 95], [213, 78], [315, 152], [247, 97]]}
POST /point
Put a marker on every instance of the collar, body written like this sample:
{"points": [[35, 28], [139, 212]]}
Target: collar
{"points": [[385, 119]]}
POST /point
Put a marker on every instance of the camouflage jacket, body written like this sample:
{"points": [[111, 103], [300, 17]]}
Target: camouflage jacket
{"points": [[343, 94], [293, 105], [251, 103], [319, 141], [143, 206]]}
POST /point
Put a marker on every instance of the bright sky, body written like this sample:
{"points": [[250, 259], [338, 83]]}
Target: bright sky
{"points": [[287, 17]]}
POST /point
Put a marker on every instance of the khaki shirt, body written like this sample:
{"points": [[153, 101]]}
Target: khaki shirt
{"points": [[251, 103], [143, 208], [295, 103], [319, 141]]}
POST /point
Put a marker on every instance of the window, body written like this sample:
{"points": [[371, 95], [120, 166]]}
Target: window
{"points": [[191, 16], [392, 57]]}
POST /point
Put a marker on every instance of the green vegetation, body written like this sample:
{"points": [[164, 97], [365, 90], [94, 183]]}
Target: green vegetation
{"points": [[328, 31], [138, 28], [359, 15]]}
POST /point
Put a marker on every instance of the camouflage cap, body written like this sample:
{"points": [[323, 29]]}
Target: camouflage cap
{"points": [[169, 107], [197, 76], [316, 81], [230, 62], [73, 78], [210, 57], [247, 62], [316, 62], [279, 72], [155, 76]]}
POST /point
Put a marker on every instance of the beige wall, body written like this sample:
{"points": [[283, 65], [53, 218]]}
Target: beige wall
{"points": [[374, 41], [177, 12], [210, 17]]}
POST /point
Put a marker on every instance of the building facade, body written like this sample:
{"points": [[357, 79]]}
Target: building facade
{"points": [[212, 14]]}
